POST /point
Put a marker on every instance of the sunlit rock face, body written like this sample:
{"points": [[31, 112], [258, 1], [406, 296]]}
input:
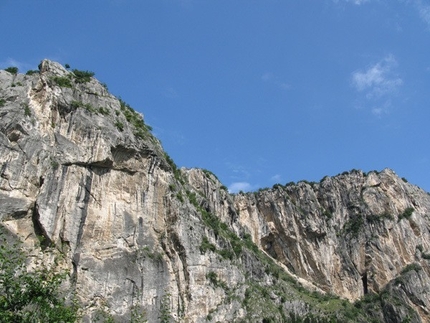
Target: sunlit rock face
{"points": [[81, 173]]}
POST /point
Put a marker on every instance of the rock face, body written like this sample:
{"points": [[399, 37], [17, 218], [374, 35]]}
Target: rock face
{"points": [[81, 173]]}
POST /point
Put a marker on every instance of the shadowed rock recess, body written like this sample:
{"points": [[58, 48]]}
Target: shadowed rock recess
{"points": [[83, 179]]}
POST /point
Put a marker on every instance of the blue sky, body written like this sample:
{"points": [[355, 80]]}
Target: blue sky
{"points": [[258, 92]]}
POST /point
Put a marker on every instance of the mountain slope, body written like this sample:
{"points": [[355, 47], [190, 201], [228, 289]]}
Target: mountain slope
{"points": [[82, 174]]}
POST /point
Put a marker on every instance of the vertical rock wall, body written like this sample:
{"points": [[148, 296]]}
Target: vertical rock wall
{"points": [[81, 173]]}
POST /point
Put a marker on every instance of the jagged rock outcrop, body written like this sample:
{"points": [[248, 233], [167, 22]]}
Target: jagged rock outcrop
{"points": [[81, 172]]}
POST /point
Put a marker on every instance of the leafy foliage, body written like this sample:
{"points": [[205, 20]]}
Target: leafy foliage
{"points": [[135, 119], [413, 266], [206, 245], [407, 213], [27, 110], [119, 125], [62, 81], [354, 225], [176, 170], [30, 296], [165, 315], [87, 106], [82, 76], [215, 281], [31, 72], [12, 70]]}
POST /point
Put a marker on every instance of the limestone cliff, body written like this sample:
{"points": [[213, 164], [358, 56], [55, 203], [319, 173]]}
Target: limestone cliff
{"points": [[82, 174]]}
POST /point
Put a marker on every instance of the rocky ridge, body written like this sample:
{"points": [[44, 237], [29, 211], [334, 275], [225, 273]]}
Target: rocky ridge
{"points": [[83, 177]]}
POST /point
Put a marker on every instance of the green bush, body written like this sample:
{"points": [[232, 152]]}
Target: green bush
{"points": [[31, 72], [213, 279], [27, 110], [2, 102], [413, 266], [12, 70], [119, 125], [82, 76], [62, 81], [104, 111], [30, 296], [354, 225], [87, 106], [206, 245], [425, 256], [407, 213], [134, 118]]}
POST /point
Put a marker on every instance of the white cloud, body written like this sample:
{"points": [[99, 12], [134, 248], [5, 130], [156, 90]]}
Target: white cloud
{"points": [[377, 85], [240, 186], [379, 79]]}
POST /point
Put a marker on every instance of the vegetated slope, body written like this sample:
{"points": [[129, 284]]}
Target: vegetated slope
{"points": [[82, 173]]}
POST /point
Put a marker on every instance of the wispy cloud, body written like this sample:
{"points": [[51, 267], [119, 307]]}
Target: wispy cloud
{"points": [[423, 10], [423, 7], [380, 110], [170, 93], [268, 77], [378, 79], [378, 83], [276, 178], [239, 172], [22, 66], [357, 2], [241, 186]]}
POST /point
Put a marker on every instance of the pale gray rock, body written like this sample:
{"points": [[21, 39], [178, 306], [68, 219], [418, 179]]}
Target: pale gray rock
{"points": [[81, 172]]}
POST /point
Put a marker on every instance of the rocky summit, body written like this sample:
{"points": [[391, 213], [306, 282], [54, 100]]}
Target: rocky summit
{"points": [[87, 188]]}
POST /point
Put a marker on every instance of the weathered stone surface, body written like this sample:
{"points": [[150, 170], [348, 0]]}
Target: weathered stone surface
{"points": [[80, 169]]}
